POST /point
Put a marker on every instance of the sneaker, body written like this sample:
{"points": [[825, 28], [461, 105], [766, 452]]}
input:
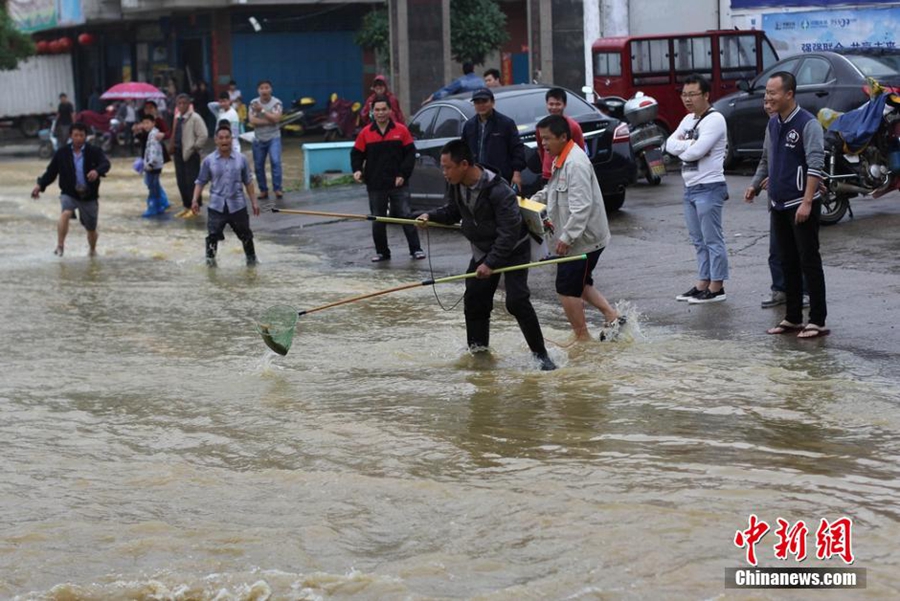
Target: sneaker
{"points": [[380, 257], [263, 195], [610, 330], [278, 195], [708, 297], [546, 362], [418, 255], [773, 300], [689, 294]]}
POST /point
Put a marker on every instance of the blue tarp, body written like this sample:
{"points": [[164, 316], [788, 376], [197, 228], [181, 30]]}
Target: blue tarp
{"points": [[859, 125]]}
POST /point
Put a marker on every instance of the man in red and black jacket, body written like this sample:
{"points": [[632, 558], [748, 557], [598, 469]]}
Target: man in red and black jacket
{"points": [[384, 156]]}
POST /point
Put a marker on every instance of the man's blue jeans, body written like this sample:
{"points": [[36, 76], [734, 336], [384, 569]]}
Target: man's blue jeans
{"points": [[272, 148], [703, 205]]}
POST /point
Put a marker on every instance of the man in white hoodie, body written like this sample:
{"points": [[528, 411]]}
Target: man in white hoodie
{"points": [[575, 205]]}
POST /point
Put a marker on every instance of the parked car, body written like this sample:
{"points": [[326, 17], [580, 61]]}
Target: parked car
{"points": [[824, 80], [606, 138]]}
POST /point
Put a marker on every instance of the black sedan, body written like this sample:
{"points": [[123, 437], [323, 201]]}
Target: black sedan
{"points": [[606, 138], [824, 80]]}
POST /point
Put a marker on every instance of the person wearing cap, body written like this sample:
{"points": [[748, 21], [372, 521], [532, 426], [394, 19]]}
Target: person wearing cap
{"points": [[467, 83], [380, 89], [494, 139]]}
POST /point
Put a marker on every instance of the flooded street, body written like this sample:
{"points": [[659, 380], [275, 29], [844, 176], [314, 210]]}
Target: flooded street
{"points": [[154, 449]]}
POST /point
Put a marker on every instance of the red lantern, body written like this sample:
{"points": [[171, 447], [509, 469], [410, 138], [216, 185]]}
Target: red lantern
{"points": [[53, 47], [42, 47], [86, 39], [65, 44]]}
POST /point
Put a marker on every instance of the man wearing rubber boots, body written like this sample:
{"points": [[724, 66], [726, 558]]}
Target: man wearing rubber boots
{"points": [[492, 222], [227, 170]]}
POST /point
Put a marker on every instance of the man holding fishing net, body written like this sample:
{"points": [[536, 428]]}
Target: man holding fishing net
{"points": [[493, 224]]}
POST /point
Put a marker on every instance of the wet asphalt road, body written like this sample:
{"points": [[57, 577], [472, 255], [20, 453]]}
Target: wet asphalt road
{"points": [[650, 261]]}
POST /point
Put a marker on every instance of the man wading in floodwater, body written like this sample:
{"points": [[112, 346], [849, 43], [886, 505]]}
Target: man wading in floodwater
{"points": [[79, 167], [493, 224]]}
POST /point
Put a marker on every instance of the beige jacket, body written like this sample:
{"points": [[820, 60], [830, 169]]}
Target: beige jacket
{"points": [[193, 135], [575, 204]]}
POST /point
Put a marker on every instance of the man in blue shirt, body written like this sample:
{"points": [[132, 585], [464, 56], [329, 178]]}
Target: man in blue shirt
{"points": [[227, 170], [469, 82]]}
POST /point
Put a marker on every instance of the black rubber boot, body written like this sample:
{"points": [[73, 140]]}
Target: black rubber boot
{"points": [[250, 252], [211, 246], [478, 334]]}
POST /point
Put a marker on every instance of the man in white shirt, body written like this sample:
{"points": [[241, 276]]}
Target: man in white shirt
{"points": [[224, 111], [699, 141]]}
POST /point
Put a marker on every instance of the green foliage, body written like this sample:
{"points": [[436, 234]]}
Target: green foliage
{"points": [[477, 28], [375, 32], [14, 45]]}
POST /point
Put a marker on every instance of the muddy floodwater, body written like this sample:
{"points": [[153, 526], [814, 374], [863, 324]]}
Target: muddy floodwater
{"points": [[152, 448]]}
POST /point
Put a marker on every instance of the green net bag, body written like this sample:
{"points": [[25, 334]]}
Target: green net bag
{"points": [[277, 326]]}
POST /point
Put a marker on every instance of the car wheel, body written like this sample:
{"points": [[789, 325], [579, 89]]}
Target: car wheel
{"points": [[731, 160], [614, 202], [45, 151], [834, 207]]}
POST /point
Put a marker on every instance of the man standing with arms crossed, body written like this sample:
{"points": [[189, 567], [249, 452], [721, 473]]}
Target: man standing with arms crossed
{"points": [[699, 141], [265, 113], [384, 156], [793, 159]]}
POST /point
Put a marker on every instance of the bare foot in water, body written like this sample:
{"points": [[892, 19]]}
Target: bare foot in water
{"points": [[92, 252], [59, 251]]}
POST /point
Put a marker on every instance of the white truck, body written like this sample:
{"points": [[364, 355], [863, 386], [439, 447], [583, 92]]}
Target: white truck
{"points": [[29, 94]]}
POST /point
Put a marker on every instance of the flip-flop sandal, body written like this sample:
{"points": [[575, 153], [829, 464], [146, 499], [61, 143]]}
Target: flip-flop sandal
{"points": [[785, 327], [813, 331]]}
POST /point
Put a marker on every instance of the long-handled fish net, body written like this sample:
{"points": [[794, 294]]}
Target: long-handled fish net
{"points": [[278, 323]]}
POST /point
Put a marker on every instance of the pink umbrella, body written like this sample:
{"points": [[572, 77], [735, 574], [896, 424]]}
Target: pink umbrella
{"points": [[132, 90]]}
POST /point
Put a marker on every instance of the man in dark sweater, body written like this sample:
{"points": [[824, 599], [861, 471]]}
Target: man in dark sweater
{"points": [[492, 222], [384, 156], [494, 139], [79, 167], [793, 159]]}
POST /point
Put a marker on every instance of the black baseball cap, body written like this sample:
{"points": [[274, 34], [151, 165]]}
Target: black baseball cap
{"points": [[482, 93]]}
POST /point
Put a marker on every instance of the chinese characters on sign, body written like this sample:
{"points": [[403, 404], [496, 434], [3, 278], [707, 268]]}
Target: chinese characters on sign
{"points": [[833, 539], [815, 31]]}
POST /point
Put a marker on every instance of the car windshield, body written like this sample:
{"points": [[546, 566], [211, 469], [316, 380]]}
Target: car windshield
{"points": [[526, 109], [876, 66]]}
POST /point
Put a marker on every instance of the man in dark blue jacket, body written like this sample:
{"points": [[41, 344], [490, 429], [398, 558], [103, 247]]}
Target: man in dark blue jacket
{"points": [[494, 139], [79, 167], [793, 159], [493, 224]]}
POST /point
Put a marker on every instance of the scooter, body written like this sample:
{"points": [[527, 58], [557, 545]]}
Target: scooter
{"points": [[647, 137], [49, 144], [312, 121], [862, 153], [343, 119]]}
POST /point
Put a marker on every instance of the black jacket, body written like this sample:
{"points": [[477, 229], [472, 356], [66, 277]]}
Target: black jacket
{"points": [[495, 225], [503, 149], [383, 157], [63, 165]]}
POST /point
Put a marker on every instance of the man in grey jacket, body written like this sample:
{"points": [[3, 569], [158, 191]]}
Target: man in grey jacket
{"points": [[575, 205]]}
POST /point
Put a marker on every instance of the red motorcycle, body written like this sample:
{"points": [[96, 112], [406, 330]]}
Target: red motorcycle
{"points": [[104, 129], [343, 119]]}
